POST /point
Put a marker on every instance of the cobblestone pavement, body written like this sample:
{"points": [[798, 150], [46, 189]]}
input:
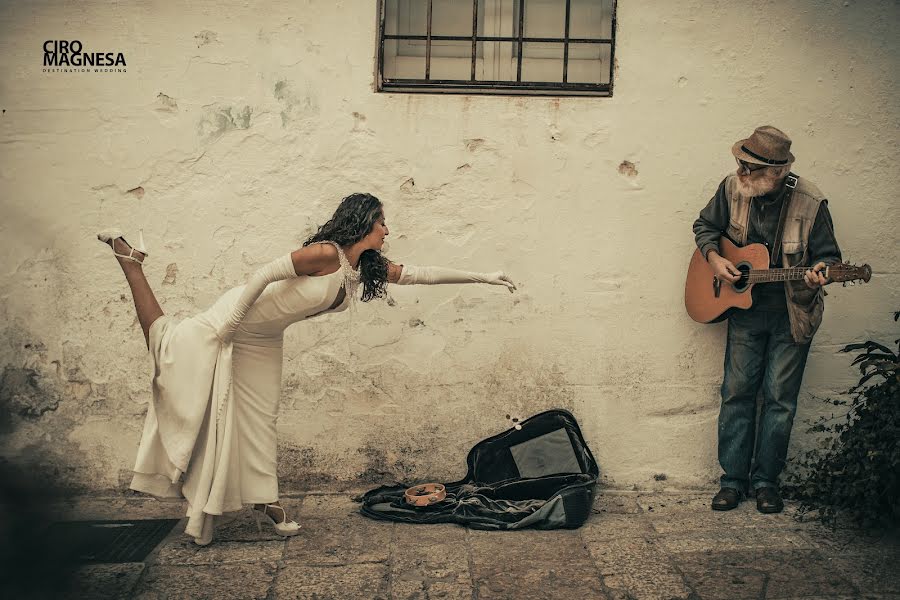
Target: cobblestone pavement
{"points": [[635, 546]]}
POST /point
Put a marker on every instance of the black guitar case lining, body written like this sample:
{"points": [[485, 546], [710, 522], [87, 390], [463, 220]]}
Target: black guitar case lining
{"points": [[542, 476]]}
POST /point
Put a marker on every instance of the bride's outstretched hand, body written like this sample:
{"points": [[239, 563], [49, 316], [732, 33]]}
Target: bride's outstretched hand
{"points": [[501, 278]]}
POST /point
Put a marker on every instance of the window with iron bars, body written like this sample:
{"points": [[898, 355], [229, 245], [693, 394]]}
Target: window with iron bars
{"points": [[523, 47]]}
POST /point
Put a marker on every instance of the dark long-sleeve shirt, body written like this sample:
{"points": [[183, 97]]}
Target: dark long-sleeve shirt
{"points": [[761, 228]]}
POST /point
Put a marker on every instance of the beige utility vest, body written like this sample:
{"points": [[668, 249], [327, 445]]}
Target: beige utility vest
{"points": [[805, 306]]}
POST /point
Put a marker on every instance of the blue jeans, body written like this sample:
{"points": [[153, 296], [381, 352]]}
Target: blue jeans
{"points": [[760, 352]]}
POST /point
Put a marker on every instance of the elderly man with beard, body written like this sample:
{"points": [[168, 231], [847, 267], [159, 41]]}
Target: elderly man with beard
{"points": [[767, 344]]}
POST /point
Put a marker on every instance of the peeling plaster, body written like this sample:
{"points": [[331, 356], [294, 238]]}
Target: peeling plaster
{"points": [[474, 144], [298, 101], [23, 392], [171, 274], [627, 169], [50, 397], [219, 120], [206, 37], [166, 104]]}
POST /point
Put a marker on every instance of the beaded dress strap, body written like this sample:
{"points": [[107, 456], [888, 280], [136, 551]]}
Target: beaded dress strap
{"points": [[351, 275]]}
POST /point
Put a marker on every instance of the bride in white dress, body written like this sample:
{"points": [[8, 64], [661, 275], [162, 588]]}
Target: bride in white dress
{"points": [[210, 434]]}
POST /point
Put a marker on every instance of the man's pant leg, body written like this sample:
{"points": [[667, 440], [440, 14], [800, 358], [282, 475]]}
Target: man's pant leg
{"points": [[744, 355], [781, 386]]}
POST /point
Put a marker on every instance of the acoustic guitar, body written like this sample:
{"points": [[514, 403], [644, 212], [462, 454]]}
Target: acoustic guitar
{"points": [[707, 299]]}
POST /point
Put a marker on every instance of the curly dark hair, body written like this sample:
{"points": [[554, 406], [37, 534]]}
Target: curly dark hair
{"points": [[351, 222]]}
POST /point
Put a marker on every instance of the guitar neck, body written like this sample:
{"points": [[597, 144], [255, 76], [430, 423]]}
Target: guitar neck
{"points": [[767, 275]]}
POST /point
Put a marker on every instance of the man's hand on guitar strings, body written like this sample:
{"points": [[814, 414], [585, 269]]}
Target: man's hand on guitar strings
{"points": [[722, 268]]}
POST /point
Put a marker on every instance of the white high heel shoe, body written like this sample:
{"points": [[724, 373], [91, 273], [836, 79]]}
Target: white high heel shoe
{"points": [[107, 236], [283, 528]]}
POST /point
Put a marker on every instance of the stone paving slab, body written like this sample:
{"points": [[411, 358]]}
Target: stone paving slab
{"points": [[539, 580], [324, 506], [636, 587], [421, 590], [521, 547], [847, 541], [713, 580], [711, 520], [100, 582], [638, 568], [407, 534], [213, 582], [614, 526], [429, 562], [340, 541], [183, 551], [803, 574], [429, 552], [877, 573], [532, 564], [620, 504], [302, 582], [745, 538], [782, 573]]}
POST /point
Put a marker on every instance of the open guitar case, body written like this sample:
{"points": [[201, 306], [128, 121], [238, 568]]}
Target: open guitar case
{"points": [[540, 476]]}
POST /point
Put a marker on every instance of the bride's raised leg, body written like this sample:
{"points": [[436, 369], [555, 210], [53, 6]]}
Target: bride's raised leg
{"points": [[145, 303]]}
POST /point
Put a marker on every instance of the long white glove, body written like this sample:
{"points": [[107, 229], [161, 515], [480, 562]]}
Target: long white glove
{"points": [[410, 275], [278, 269]]}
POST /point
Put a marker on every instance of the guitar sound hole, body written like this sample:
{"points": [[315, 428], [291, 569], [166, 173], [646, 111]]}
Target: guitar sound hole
{"points": [[743, 283]]}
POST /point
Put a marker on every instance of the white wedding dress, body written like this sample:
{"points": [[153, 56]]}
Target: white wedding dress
{"points": [[210, 434]]}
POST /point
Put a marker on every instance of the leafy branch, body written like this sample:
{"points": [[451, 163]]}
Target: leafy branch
{"points": [[855, 470]]}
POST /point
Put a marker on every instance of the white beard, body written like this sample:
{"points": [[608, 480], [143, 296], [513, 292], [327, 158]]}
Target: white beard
{"points": [[750, 189]]}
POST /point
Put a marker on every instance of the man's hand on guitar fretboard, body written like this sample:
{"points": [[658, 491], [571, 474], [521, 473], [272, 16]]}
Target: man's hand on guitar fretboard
{"points": [[814, 278]]}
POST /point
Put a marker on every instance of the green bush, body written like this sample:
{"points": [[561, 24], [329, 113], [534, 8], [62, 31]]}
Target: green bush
{"points": [[855, 471]]}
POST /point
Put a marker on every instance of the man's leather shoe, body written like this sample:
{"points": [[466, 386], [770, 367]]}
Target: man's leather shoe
{"points": [[726, 499], [768, 500]]}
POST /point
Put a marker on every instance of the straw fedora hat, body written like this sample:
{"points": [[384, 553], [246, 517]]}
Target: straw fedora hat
{"points": [[766, 146]]}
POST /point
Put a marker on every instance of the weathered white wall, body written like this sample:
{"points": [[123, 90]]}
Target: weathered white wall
{"points": [[245, 125]]}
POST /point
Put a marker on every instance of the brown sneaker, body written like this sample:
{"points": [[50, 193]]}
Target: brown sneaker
{"points": [[726, 499], [768, 500]]}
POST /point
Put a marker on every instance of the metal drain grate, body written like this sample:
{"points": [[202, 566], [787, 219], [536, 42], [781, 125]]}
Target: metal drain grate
{"points": [[108, 541]]}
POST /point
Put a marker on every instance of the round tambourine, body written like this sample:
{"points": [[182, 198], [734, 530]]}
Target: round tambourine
{"points": [[425, 494]]}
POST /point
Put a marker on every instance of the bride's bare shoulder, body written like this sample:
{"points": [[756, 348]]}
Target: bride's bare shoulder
{"points": [[315, 258]]}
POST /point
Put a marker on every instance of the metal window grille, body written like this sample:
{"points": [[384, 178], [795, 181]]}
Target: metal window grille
{"points": [[473, 49]]}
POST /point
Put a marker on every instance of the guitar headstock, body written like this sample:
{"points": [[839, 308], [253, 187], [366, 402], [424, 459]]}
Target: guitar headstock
{"points": [[847, 272]]}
